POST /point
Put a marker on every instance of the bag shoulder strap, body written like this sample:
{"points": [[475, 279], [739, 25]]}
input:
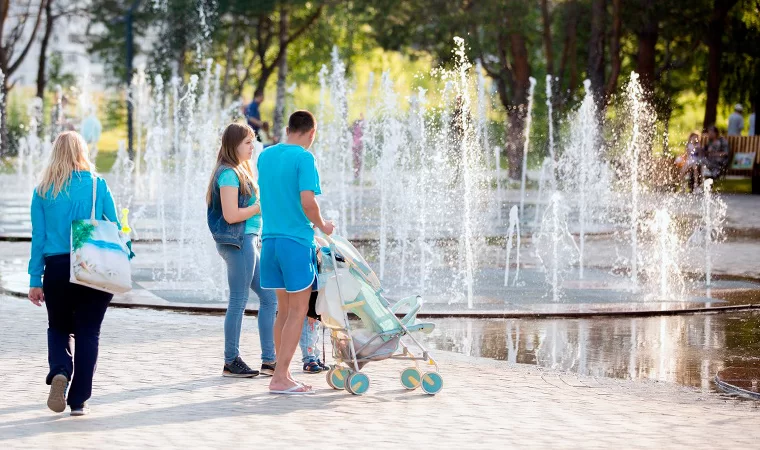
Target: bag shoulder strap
{"points": [[94, 196]]}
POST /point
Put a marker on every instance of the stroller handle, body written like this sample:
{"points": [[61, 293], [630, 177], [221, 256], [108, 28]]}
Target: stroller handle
{"points": [[326, 237]]}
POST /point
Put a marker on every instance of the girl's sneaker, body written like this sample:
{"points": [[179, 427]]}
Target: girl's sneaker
{"points": [[267, 369], [312, 367], [324, 366], [238, 369]]}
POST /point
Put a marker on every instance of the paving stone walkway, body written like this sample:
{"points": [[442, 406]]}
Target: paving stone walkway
{"points": [[159, 385]]}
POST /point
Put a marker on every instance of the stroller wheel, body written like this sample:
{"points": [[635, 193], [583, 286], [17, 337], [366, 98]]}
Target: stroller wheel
{"points": [[357, 383], [410, 378], [329, 378], [432, 383], [336, 377]]}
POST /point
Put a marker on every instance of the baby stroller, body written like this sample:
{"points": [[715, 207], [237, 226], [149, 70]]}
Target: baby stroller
{"points": [[348, 285]]}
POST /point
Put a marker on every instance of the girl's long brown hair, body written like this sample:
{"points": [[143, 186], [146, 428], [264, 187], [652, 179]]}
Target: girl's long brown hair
{"points": [[234, 135]]}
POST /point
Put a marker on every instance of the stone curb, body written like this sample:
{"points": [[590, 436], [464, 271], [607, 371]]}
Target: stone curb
{"points": [[736, 390], [730, 232], [455, 314]]}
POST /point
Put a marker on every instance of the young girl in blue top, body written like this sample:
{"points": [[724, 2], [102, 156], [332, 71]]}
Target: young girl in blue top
{"points": [[234, 218], [65, 195]]}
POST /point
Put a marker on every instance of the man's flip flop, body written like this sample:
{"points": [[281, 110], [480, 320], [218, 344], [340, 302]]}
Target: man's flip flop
{"points": [[293, 391]]}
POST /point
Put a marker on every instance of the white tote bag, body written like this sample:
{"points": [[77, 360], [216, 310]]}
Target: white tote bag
{"points": [[99, 253]]}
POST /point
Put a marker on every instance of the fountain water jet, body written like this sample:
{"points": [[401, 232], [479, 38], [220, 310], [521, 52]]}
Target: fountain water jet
{"points": [[713, 216], [662, 260], [635, 95], [514, 230], [552, 167], [555, 246], [583, 171], [528, 120], [440, 242]]}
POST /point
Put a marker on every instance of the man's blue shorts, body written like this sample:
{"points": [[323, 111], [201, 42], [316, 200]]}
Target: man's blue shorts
{"points": [[287, 264]]}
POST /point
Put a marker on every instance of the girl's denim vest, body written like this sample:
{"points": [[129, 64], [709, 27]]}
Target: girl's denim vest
{"points": [[223, 232]]}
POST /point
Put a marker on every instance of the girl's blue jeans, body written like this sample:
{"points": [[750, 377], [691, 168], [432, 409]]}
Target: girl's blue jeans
{"points": [[242, 275]]}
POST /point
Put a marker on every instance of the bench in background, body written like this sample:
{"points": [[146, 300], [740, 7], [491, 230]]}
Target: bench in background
{"points": [[743, 144]]}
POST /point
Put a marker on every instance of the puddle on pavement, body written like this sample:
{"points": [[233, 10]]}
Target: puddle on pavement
{"points": [[687, 349]]}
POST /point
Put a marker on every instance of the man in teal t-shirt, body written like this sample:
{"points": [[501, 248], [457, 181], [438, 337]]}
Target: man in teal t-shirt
{"points": [[288, 186]]}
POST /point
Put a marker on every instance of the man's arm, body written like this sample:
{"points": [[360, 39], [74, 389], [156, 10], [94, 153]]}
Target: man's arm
{"points": [[250, 114], [311, 209], [255, 122]]}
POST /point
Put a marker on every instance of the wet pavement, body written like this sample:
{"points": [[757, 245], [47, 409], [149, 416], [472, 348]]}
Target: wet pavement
{"points": [[684, 349]]}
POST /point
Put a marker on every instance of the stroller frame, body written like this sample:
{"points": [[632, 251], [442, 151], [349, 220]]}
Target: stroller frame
{"points": [[433, 380]]}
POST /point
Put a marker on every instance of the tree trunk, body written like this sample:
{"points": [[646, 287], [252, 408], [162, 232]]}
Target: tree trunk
{"points": [[261, 83], [41, 76], [595, 67], [515, 138], [228, 62], [573, 60], [715, 31], [7, 66], [755, 99], [4, 144], [570, 30], [518, 110], [547, 24], [568, 53], [350, 25], [615, 59], [647, 36], [181, 62], [282, 76]]}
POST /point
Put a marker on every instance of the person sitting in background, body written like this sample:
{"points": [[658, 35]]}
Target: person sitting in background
{"points": [[690, 162], [752, 130], [716, 152], [736, 121]]}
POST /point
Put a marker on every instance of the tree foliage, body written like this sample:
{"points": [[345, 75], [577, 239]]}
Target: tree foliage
{"points": [[671, 44]]}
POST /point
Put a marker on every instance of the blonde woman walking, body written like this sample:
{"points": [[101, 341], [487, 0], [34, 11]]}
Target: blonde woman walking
{"points": [[64, 195]]}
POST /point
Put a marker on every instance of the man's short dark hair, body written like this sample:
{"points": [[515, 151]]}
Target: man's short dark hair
{"points": [[301, 122]]}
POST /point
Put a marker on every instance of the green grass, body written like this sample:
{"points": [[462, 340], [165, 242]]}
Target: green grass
{"points": [[6, 165], [108, 146], [105, 161], [734, 186]]}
